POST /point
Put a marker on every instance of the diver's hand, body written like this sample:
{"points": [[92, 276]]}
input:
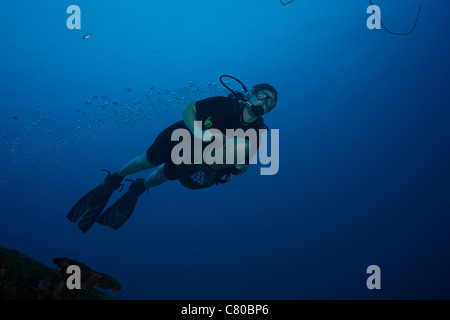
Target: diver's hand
{"points": [[207, 136], [204, 135], [241, 168]]}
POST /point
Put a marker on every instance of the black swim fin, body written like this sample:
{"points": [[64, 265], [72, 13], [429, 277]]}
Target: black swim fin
{"points": [[116, 215], [91, 205]]}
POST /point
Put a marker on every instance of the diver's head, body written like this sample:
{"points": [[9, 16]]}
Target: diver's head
{"points": [[261, 99]]}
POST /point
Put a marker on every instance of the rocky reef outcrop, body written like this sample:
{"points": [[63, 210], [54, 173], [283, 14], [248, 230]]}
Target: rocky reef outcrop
{"points": [[23, 278]]}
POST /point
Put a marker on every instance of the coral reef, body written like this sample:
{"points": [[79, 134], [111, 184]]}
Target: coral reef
{"points": [[23, 278]]}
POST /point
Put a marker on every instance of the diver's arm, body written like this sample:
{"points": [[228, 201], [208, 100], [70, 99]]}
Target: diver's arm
{"points": [[244, 167], [189, 117], [254, 151]]}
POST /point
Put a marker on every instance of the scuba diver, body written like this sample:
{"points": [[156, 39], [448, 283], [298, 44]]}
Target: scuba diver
{"points": [[237, 111]]}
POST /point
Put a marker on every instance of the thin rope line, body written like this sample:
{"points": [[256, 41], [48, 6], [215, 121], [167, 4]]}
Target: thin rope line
{"points": [[396, 33], [382, 23]]}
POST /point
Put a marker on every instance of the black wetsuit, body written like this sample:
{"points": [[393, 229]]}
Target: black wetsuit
{"points": [[223, 112]]}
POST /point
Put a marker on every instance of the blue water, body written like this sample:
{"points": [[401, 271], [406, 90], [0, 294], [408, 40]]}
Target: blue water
{"points": [[364, 145]]}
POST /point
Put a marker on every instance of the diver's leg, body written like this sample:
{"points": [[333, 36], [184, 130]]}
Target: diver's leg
{"points": [[158, 153], [156, 178], [135, 165]]}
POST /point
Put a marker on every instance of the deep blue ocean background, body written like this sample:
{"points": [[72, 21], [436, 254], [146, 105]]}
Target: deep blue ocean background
{"points": [[364, 145]]}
